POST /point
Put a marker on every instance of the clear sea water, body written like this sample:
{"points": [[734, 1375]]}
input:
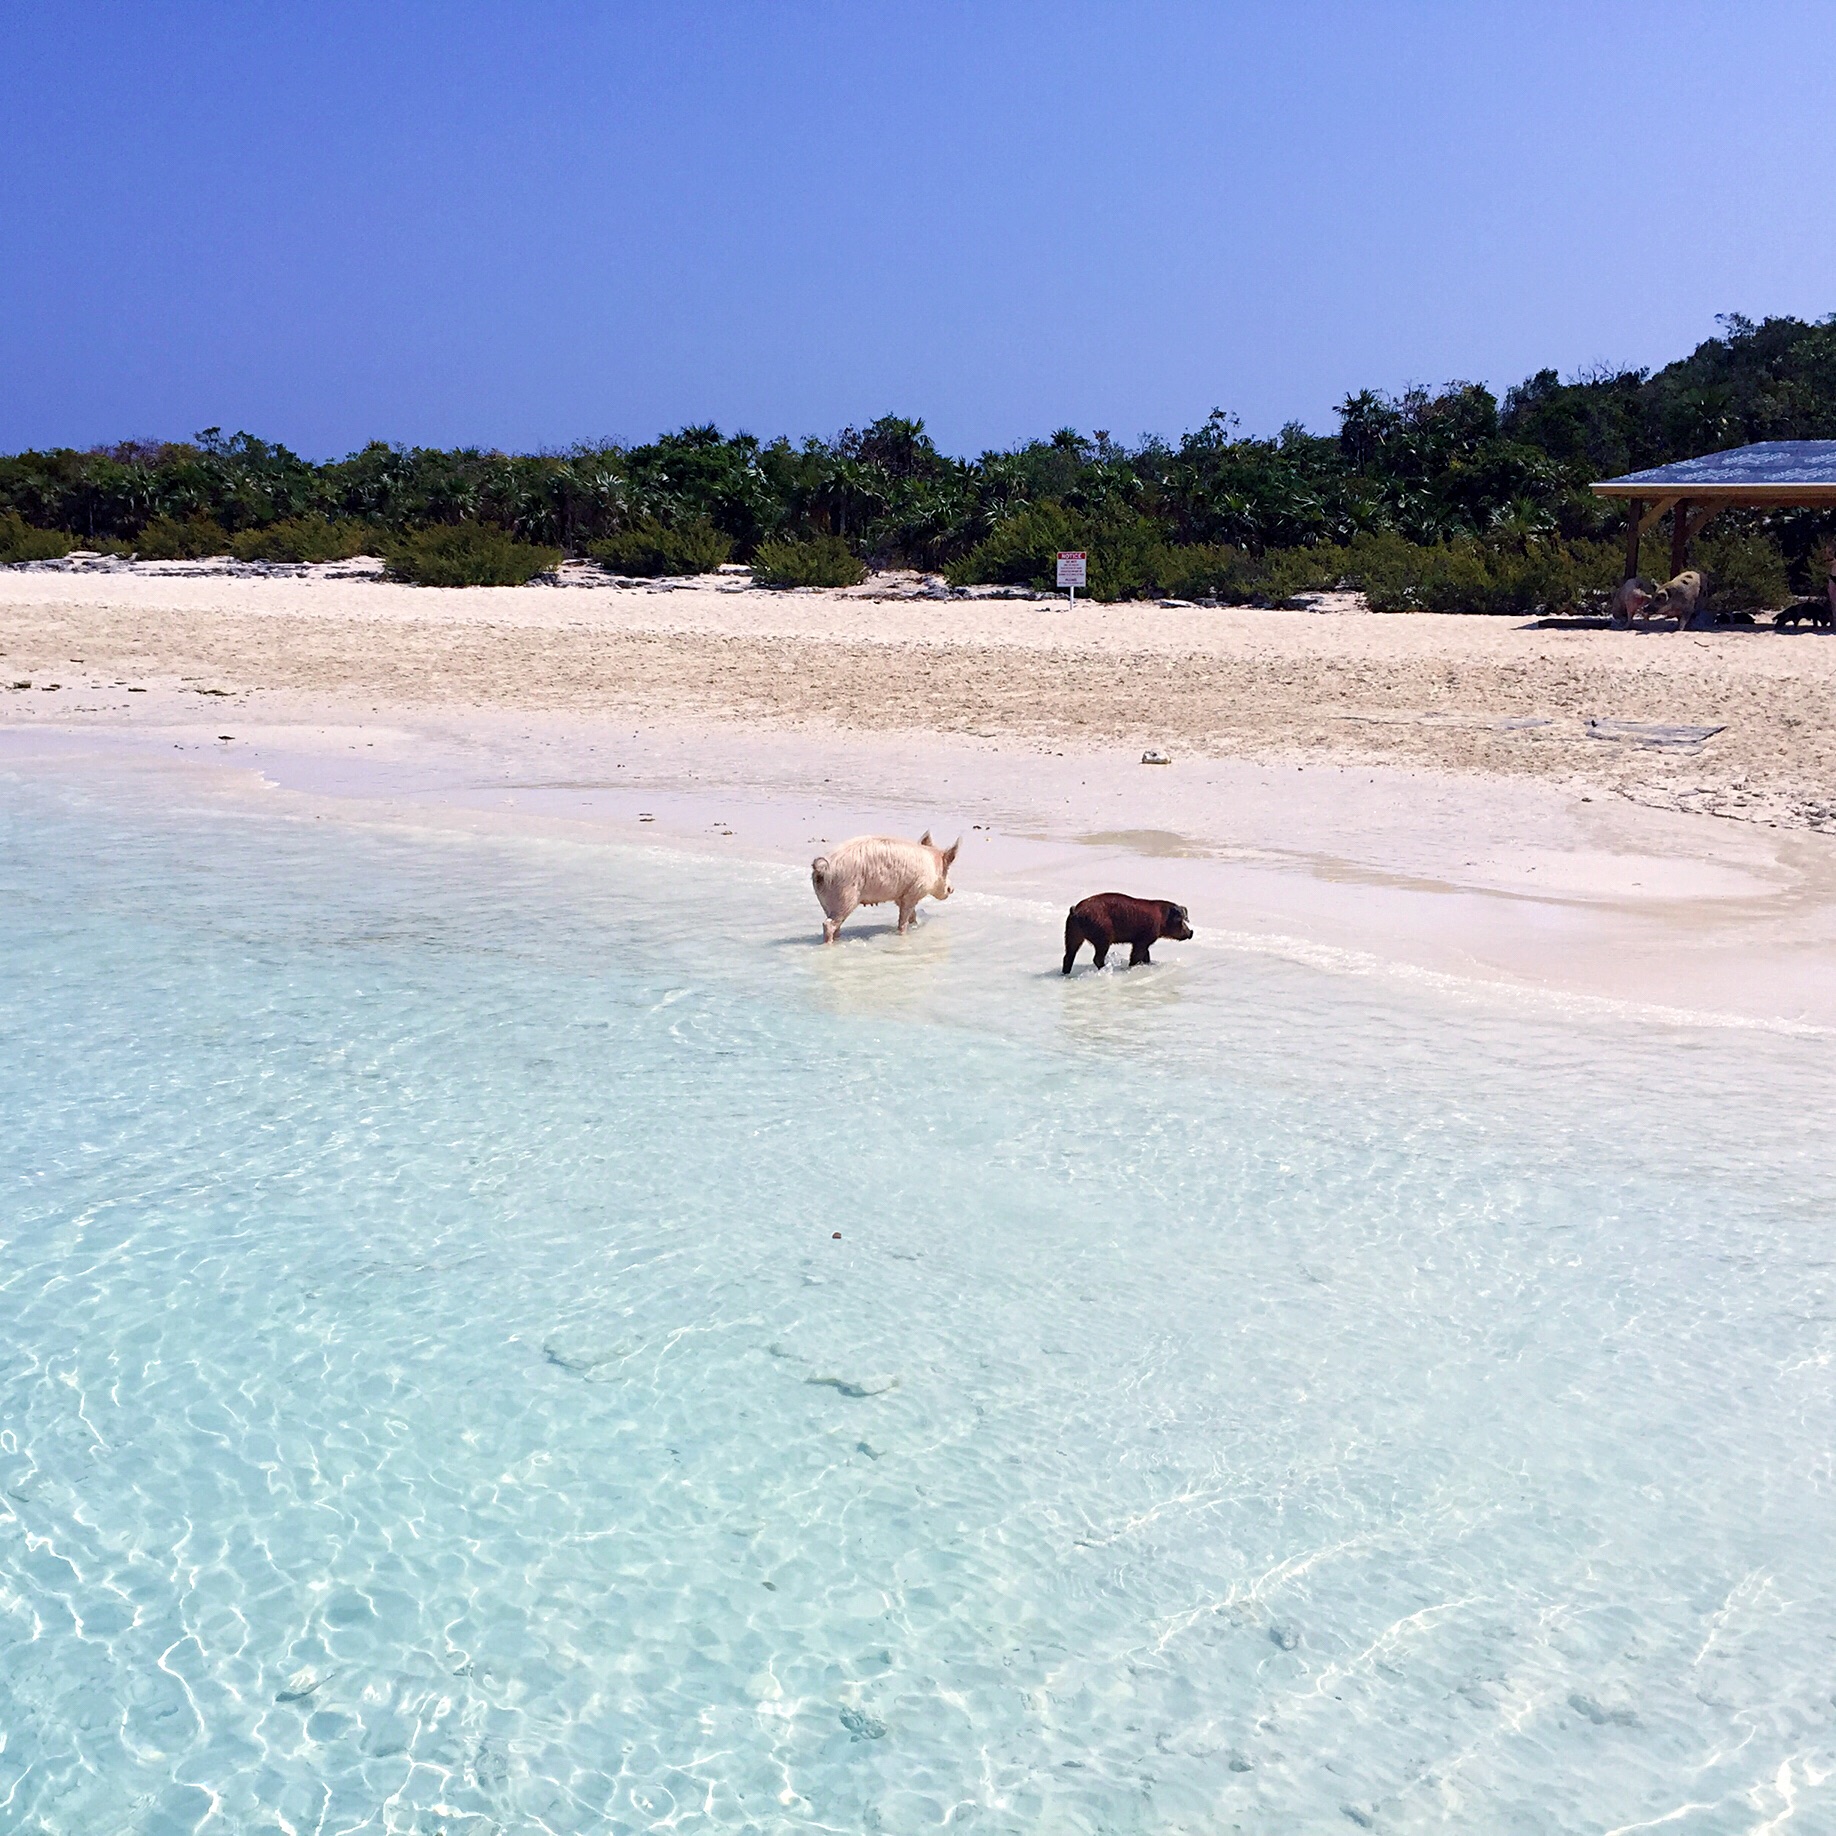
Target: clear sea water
{"points": [[1244, 1396]]}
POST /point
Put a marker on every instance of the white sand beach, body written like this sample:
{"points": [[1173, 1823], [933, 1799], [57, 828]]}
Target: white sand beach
{"points": [[1395, 794]]}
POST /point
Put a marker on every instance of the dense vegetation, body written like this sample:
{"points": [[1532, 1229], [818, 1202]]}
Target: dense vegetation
{"points": [[1435, 498], [649, 547], [465, 554], [813, 561]]}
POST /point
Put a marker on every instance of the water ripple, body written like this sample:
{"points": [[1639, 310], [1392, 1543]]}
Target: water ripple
{"points": [[432, 1397]]}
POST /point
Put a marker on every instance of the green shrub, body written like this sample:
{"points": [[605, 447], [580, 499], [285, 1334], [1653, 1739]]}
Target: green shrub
{"points": [[1598, 569], [307, 539], [1207, 570], [1124, 560], [822, 561], [1396, 575], [1387, 569], [650, 548], [1746, 573], [1019, 550], [167, 539], [1127, 556], [1217, 571], [1214, 570], [1535, 575], [19, 541], [466, 554], [1288, 572]]}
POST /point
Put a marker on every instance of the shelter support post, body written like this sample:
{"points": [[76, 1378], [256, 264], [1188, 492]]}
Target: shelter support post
{"points": [[1641, 517], [1679, 537]]}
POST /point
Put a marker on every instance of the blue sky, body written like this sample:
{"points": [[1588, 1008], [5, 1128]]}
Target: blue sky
{"points": [[526, 224]]}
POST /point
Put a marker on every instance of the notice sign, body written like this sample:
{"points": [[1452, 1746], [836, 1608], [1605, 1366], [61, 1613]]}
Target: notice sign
{"points": [[1071, 568]]}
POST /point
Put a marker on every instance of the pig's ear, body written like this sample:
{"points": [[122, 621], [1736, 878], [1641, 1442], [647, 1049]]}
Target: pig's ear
{"points": [[950, 852], [924, 841]]}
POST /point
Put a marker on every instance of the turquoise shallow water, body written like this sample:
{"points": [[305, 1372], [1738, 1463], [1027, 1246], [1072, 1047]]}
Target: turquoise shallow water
{"points": [[1243, 1397]]}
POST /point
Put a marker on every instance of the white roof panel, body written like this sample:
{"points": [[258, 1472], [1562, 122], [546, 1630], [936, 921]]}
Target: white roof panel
{"points": [[1768, 465]]}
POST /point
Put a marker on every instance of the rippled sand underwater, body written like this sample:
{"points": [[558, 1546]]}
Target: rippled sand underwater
{"points": [[1243, 1396]]}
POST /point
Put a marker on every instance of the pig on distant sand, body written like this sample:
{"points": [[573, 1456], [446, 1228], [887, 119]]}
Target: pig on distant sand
{"points": [[877, 870], [1682, 598], [1107, 919], [1631, 599]]}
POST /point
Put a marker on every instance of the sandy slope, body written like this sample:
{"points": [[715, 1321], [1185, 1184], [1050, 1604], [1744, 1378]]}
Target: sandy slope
{"points": [[1452, 693]]}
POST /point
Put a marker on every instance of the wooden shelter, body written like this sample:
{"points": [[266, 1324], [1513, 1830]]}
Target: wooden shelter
{"points": [[1771, 475]]}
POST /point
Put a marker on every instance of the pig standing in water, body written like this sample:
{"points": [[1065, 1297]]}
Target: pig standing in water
{"points": [[1107, 919], [876, 870]]}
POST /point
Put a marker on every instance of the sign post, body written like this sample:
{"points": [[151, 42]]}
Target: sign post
{"points": [[1071, 566]]}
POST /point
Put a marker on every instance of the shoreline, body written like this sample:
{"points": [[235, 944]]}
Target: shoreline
{"points": [[773, 725], [1608, 906]]}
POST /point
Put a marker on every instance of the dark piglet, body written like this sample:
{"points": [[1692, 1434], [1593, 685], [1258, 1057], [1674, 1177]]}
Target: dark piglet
{"points": [[1818, 612], [1107, 919]]}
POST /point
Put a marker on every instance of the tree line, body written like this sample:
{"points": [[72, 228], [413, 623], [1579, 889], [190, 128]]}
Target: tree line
{"points": [[1431, 497]]}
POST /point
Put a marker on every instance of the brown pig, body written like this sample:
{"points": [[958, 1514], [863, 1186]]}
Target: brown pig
{"points": [[1107, 919]]}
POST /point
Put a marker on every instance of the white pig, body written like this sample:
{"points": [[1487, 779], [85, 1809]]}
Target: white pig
{"points": [[1631, 599], [877, 870]]}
